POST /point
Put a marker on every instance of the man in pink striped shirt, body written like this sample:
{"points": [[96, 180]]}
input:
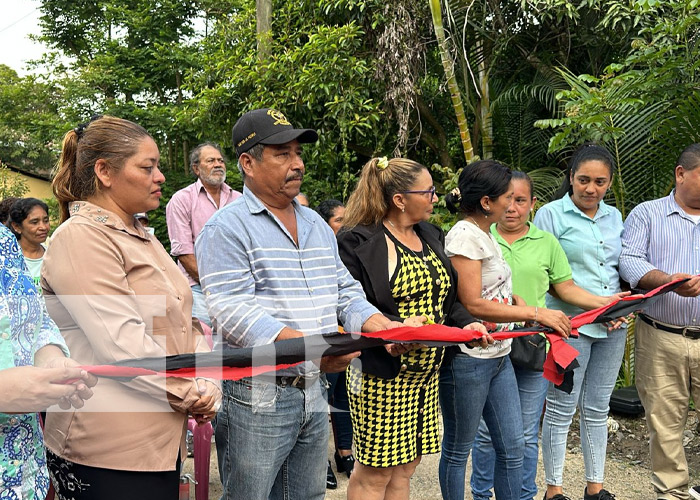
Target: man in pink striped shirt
{"points": [[190, 208]]}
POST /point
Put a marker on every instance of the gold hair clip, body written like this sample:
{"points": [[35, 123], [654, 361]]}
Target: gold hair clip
{"points": [[382, 163], [455, 192]]}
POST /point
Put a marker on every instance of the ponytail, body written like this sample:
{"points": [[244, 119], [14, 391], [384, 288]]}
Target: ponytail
{"points": [[64, 173], [102, 138], [380, 180]]}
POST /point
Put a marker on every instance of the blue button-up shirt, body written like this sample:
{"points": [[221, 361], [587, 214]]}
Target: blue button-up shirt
{"points": [[660, 235], [257, 280], [592, 246]]}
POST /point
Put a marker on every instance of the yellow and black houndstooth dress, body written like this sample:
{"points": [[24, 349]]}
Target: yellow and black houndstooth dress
{"points": [[396, 420]]}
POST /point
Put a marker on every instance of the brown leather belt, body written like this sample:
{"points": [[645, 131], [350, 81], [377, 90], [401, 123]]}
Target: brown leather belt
{"points": [[690, 332]]}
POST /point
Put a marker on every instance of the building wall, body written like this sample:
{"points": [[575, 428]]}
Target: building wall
{"points": [[38, 188]]}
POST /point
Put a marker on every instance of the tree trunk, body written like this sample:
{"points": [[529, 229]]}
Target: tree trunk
{"points": [[263, 10], [448, 65], [485, 110], [437, 141]]}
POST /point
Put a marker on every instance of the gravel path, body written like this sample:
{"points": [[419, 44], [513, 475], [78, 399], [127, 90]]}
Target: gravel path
{"points": [[628, 482]]}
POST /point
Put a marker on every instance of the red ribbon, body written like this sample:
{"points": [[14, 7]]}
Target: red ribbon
{"points": [[559, 359]]}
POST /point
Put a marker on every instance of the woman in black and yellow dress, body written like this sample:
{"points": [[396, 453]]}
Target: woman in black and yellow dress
{"points": [[398, 257]]}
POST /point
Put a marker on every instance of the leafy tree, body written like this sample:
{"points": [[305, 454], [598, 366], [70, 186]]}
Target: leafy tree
{"points": [[126, 58], [644, 108], [317, 73], [29, 121], [11, 184]]}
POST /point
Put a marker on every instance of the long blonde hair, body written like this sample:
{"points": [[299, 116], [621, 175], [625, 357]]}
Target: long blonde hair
{"points": [[108, 138], [379, 181]]}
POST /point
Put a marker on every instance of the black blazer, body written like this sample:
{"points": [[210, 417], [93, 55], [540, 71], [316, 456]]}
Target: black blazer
{"points": [[364, 252]]}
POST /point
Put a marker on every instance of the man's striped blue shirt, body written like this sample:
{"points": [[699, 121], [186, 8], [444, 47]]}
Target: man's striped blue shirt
{"points": [[257, 280], [659, 235]]}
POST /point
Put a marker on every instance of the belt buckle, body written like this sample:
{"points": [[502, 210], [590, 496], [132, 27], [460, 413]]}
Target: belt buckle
{"points": [[689, 333]]}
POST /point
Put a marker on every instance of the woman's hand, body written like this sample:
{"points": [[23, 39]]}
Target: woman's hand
{"points": [[415, 321], [82, 383], [605, 300], [518, 300], [556, 320], [617, 323], [485, 340], [209, 402], [29, 389], [399, 349]]}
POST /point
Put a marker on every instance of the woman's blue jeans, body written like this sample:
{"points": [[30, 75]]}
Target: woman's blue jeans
{"points": [[594, 381], [469, 389], [532, 387], [340, 410]]}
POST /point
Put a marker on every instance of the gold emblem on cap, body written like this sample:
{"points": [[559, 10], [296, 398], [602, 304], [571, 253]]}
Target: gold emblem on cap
{"points": [[279, 118]]}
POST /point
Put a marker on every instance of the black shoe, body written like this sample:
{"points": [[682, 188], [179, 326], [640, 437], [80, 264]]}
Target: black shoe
{"points": [[344, 464], [601, 495], [331, 481], [694, 492], [558, 496]]}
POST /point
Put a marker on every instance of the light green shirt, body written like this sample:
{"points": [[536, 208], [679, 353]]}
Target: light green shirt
{"points": [[537, 261]]}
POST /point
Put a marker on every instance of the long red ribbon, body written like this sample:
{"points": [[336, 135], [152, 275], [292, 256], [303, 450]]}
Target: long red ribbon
{"points": [[559, 359]]}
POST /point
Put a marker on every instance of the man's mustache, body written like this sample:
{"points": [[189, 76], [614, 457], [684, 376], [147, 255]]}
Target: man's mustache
{"points": [[299, 176]]}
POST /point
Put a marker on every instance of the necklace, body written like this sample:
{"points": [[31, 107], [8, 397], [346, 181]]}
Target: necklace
{"points": [[475, 222], [420, 256]]}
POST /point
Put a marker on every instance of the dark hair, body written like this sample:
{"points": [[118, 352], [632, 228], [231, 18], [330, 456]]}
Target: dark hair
{"points": [[690, 157], [479, 179], [5, 206], [326, 208], [256, 152], [519, 175], [20, 210], [588, 151], [196, 153], [107, 138]]}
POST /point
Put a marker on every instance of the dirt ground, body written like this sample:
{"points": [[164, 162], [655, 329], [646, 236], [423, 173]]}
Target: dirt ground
{"points": [[627, 468]]}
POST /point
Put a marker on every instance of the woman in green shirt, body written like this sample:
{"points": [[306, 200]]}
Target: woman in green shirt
{"points": [[539, 265]]}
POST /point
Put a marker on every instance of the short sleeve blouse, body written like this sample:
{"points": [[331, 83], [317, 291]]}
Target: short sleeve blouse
{"points": [[467, 240]]}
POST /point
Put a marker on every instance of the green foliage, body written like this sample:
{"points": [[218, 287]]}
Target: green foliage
{"points": [[29, 121], [318, 74], [11, 184], [127, 59], [644, 109]]}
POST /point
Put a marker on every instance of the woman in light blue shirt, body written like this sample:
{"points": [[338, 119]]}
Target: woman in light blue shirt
{"points": [[589, 231]]}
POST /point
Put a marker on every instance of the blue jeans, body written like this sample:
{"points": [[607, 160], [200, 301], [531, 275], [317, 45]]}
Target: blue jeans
{"points": [[594, 381], [532, 387], [199, 305], [271, 441], [340, 410], [469, 389]]}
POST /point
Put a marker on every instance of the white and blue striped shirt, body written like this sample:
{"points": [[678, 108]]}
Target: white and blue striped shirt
{"points": [[256, 280], [660, 235]]}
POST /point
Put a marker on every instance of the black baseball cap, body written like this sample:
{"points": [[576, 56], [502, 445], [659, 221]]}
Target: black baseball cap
{"points": [[267, 126]]}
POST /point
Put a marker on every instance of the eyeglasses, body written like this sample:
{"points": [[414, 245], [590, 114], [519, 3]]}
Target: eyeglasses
{"points": [[430, 191]]}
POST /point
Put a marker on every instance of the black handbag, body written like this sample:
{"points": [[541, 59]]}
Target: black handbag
{"points": [[529, 352]]}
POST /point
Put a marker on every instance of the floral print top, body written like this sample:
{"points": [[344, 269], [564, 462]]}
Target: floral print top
{"points": [[467, 240], [25, 327]]}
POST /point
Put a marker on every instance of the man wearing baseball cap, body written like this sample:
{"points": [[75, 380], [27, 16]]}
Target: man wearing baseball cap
{"points": [[270, 271]]}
